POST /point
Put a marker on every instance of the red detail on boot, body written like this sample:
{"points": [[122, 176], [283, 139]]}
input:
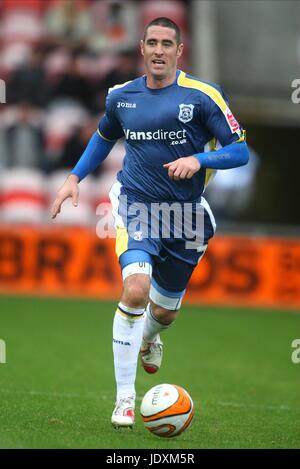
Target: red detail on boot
{"points": [[150, 369]]}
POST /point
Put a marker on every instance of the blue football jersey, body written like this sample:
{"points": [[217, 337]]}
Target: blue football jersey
{"points": [[161, 125]]}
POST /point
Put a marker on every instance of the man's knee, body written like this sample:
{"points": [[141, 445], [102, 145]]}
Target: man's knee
{"points": [[136, 290], [163, 315]]}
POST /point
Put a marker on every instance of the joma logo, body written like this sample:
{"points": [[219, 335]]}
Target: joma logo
{"points": [[127, 105]]}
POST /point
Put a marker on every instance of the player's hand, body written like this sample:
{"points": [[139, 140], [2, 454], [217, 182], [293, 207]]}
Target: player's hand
{"points": [[183, 168], [69, 189]]}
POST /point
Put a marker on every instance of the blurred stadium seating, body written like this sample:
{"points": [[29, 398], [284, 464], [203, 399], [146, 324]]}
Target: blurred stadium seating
{"points": [[23, 196], [58, 59]]}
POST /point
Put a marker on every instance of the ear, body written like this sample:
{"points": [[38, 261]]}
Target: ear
{"points": [[179, 50], [142, 46]]}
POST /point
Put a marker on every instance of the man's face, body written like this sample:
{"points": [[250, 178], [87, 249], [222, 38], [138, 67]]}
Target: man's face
{"points": [[160, 51]]}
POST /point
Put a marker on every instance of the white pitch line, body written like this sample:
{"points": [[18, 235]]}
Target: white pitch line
{"points": [[90, 395], [104, 397], [255, 406], [55, 394]]}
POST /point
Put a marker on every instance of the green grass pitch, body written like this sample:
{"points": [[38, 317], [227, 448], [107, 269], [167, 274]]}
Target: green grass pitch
{"points": [[57, 388]]}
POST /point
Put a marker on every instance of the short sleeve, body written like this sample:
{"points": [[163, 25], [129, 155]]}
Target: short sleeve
{"points": [[219, 120], [109, 126]]}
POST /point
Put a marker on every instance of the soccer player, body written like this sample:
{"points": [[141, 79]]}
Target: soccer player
{"points": [[178, 131]]}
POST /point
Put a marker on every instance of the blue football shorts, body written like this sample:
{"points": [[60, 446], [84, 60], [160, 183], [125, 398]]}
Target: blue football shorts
{"points": [[164, 240]]}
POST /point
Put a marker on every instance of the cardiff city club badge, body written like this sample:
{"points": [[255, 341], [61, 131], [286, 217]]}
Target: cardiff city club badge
{"points": [[186, 112]]}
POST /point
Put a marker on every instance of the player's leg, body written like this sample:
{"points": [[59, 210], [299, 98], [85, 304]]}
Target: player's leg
{"points": [[170, 278], [167, 290], [127, 332], [157, 319], [168, 287], [134, 255]]}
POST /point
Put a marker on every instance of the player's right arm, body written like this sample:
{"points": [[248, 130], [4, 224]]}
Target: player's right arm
{"points": [[97, 150], [69, 189]]}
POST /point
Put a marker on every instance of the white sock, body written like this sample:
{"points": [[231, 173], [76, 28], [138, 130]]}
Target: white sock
{"points": [[127, 337], [152, 326]]}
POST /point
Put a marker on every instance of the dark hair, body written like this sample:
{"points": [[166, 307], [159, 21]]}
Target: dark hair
{"points": [[167, 23]]}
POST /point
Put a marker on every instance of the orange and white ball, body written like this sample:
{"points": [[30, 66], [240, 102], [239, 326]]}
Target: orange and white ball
{"points": [[167, 410]]}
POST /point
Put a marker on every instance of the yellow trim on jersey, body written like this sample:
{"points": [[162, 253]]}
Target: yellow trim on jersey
{"points": [[128, 316], [242, 137], [212, 144], [116, 87], [104, 138], [121, 240], [208, 175], [209, 90]]}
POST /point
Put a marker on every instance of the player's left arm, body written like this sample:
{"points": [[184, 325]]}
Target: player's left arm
{"points": [[220, 122], [230, 156]]}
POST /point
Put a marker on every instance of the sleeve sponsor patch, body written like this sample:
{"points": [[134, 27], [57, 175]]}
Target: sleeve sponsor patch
{"points": [[232, 122]]}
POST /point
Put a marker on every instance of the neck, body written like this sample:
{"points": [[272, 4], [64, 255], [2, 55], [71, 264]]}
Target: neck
{"points": [[156, 83]]}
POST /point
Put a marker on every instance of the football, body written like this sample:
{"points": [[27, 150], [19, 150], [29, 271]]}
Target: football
{"points": [[167, 410]]}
